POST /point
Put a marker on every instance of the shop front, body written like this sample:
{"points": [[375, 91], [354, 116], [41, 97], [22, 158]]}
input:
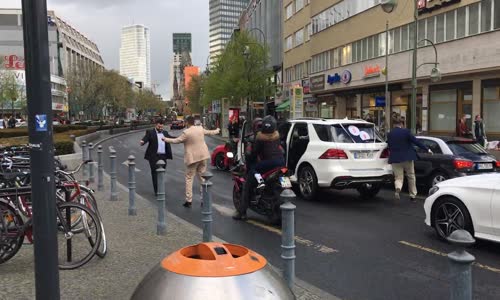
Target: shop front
{"points": [[491, 106]]}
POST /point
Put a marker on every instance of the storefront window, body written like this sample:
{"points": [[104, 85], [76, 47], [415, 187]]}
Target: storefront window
{"points": [[351, 108], [443, 110], [370, 111], [327, 107], [491, 106]]}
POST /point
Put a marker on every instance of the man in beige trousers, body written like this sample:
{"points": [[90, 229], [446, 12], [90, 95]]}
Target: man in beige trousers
{"points": [[195, 153]]}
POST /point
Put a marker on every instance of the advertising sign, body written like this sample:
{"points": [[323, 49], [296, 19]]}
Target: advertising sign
{"points": [[297, 107], [317, 83]]}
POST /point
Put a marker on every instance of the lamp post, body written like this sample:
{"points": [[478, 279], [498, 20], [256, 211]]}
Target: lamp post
{"points": [[246, 53], [388, 6]]}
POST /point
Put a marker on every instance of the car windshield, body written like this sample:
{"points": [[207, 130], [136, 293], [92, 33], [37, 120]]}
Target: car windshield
{"points": [[459, 148], [355, 133]]}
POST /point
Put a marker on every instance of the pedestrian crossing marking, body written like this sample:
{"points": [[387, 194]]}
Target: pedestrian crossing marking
{"points": [[436, 252]]}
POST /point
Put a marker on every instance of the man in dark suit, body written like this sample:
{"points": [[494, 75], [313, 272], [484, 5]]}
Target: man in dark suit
{"points": [[157, 148], [402, 156]]}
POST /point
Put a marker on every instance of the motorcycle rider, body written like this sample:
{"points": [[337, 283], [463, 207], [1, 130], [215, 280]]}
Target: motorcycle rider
{"points": [[266, 154]]}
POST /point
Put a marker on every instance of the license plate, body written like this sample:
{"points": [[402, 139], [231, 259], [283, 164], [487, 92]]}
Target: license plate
{"points": [[285, 182], [484, 166], [363, 155]]}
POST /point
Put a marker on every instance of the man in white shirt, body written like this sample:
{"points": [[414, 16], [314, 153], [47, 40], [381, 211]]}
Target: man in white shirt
{"points": [[157, 149]]}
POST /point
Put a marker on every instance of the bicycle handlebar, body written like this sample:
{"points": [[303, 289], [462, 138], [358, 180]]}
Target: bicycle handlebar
{"points": [[71, 173]]}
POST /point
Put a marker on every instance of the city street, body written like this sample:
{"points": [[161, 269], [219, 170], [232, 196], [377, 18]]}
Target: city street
{"points": [[352, 248]]}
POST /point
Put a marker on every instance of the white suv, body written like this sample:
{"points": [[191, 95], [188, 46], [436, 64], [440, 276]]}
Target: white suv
{"points": [[337, 154]]}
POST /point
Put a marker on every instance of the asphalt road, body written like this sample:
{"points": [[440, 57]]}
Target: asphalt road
{"points": [[349, 247]]}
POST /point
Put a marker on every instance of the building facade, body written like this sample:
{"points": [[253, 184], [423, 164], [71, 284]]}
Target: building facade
{"points": [[182, 42], [67, 46], [135, 54], [224, 18], [336, 51], [181, 51]]}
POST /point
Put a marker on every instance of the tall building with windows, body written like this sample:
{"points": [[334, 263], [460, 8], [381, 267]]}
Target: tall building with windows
{"points": [[135, 54], [182, 42], [336, 51], [224, 18]]}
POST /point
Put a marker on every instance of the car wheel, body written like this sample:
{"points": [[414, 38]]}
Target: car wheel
{"points": [[437, 178], [369, 190], [448, 215], [308, 183], [219, 162]]}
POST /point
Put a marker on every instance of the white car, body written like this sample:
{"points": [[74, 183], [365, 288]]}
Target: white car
{"points": [[336, 154], [471, 203]]}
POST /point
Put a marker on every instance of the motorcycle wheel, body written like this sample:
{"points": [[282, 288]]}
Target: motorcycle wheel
{"points": [[219, 162], [274, 216]]}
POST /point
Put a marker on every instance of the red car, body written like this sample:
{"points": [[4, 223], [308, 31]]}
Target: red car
{"points": [[220, 159], [178, 124]]}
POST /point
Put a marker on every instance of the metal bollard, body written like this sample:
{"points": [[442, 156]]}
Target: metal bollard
{"points": [[161, 226], [288, 236], [460, 266], [206, 210], [100, 170], [91, 165], [132, 211], [85, 156], [112, 174]]}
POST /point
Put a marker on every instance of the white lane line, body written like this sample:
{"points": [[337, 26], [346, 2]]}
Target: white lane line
{"points": [[226, 211]]}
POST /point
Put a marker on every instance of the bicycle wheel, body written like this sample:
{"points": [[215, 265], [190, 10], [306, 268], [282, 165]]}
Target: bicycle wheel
{"points": [[11, 232], [77, 248], [88, 199]]}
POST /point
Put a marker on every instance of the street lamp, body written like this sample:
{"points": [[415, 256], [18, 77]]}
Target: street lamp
{"points": [[388, 6], [246, 53]]}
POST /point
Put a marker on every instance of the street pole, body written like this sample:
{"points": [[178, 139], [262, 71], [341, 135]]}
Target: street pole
{"points": [[413, 106], [387, 96], [38, 88]]}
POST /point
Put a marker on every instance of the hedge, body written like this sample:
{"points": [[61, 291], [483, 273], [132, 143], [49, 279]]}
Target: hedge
{"points": [[16, 132]]}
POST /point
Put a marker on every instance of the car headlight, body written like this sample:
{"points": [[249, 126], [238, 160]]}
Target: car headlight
{"points": [[433, 190]]}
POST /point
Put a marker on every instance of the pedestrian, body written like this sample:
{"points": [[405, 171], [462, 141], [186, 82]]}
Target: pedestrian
{"points": [[478, 132], [12, 122], [5, 122], [157, 149], [195, 153], [462, 130], [402, 155]]}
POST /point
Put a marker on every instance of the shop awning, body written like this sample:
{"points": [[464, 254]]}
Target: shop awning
{"points": [[283, 106]]}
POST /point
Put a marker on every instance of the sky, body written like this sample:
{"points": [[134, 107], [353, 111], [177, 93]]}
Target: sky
{"points": [[102, 20]]}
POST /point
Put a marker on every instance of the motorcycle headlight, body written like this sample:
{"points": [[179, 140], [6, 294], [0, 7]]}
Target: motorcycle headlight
{"points": [[433, 190]]}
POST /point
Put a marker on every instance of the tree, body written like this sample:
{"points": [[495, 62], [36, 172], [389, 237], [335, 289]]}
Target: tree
{"points": [[10, 91], [193, 93], [240, 72], [148, 101]]}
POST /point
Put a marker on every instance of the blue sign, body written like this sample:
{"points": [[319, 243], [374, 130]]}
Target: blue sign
{"points": [[345, 77], [380, 101], [41, 122]]}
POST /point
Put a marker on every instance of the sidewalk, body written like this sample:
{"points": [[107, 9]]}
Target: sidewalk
{"points": [[134, 248]]}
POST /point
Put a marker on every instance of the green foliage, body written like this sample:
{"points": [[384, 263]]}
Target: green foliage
{"points": [[147, 100], [16, 132], [194, 92], [241, 71], [11, 91]]}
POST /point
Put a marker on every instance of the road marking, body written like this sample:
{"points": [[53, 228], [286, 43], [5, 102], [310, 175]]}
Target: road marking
{"points": [[125, 163], [226, 211], [436, 252]]}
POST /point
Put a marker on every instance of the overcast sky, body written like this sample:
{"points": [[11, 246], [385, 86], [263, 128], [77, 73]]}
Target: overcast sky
{"points": [[102, 20]]}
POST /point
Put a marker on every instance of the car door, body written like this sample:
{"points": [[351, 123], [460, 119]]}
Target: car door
{"points": [[425, 164], [297, 146], [495, 206]]}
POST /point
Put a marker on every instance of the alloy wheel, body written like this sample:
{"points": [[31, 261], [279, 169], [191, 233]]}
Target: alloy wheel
{"points": [[449, 217], [437, 179], [306, 183]]}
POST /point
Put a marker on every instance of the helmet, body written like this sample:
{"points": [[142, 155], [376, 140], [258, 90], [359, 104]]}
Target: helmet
{"points": [[269, 124], [257, 124]]}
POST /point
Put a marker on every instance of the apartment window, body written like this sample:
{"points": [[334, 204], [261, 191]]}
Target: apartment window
{"points": [[381, 41], [358, 51], [421, 32], [370, 47], [440, 28], [335, 59], [299, 37], [392, 43], [450, 25], [363, 50], [289, 11], [486, 15], [497, 14], [461, 22], [354, 52], [308, 31], [289, 43], [298, 71], [474, 18], [299, 4], [308, 67], [431, 27], [346, 55], [404, 38]]}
